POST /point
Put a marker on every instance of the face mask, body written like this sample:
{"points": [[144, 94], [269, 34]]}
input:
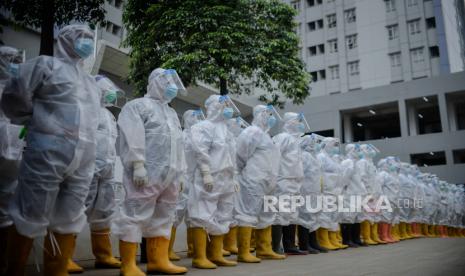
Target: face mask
{"points": [[360, 155], [110, 97], [228, 112], [271, 121], [13, 69], [392, 168], [84, 47], [171, 92], [335, 151], [317, 147], [372, 154], [301, 127]]}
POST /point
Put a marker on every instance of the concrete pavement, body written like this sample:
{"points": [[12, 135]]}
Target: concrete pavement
{"points": [[426, 256]]}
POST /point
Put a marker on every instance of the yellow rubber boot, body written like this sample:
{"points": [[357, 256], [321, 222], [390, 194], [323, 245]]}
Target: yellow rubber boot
{"points": [[73, 268], [408, 230], [199, 237], [230, 241], [365, 230], [128, 251], [431, 231], [56, 259], [375, 234], [253, 242], [403, 231], [101, 248], [18, 249], [334, 240], [394, 233], [424, 230], [214, 252], [171, 254], [323, 239], [190, 243], [158, 261], [339, 236], [263, 245], [244, 255]]}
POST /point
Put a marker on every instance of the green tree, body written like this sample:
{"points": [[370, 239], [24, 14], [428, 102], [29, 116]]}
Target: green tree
{"points": [[218, 42], [45, 14]]}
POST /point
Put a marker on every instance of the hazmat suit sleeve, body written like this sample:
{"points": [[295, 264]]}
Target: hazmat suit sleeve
{"points": [[201, 143], [132, 133], [348, 172], [246, 144], [19, 92]]}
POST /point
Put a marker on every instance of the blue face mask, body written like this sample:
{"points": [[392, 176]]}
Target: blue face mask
{"points": [[271, 121], [360, 155], [171, 92], [13, 69], [392, 168], [335, 151], [84, 47], [301, 127], [228, 112]]}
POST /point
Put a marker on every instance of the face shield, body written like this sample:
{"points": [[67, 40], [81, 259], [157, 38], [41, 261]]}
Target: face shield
{"points": [[192, 117], [332, 146], [10, 58], [273, 117], [372, 151], [317, 142], [165, 84], [230, 110], [110, 92]]}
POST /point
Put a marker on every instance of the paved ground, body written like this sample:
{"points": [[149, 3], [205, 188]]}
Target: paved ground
{"points": [[423, 257]]}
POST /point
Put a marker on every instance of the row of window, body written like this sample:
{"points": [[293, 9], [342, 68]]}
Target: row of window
{"points": [[413, 27], [351, 43], [352, 69], [391, 4], [113, 28], [417, 55], [437, 158]]}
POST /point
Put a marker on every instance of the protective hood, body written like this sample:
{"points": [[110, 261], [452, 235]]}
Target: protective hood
{"points": [[215, 105], [191, 117], [307, 143], [68, 38], [260, 117], [110, 92], [164, 84], [331, 146], [352, 151], [292, 123], [8, 55], [237, 125]]}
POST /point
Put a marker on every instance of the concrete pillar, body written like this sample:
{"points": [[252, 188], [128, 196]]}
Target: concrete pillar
{"points": [[338, 125], [348, 133], [443, 112], [412, 115], [451, 115], [403, 118]]}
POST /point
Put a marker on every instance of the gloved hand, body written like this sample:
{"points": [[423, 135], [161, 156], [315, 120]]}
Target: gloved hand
{"points": [[206, 178], [23, 133], [140, 177], [237, 187]]}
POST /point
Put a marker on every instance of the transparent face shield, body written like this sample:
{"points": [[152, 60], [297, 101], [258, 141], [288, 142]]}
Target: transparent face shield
{"points": [[242, 123], [199, 115], [303, 120], [273, 112], [229, 105], [169, 79], [110, 91], [317, 142]]}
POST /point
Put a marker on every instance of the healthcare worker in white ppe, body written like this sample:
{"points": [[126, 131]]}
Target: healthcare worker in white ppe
{"points": [[211, 198], [190, 118], [257, 162], [59, 104], [11, 147], [289, 180], [152, 152], [100, 202]]}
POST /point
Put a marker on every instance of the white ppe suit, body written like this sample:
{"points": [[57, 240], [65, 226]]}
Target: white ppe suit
{"points": [[150, 134], [59, 103], [388, 178]]}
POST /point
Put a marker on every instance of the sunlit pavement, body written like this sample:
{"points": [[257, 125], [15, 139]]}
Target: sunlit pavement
{"points": [[426, 256]]}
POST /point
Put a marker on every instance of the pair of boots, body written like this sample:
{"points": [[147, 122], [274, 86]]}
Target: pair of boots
{"points": [[58, 249], [328, 239], [263, 245], [308, 241], [286, 234], [366, 233], [384, 232], [211, 256], [347, 235], [101, 248], [157, 258]]}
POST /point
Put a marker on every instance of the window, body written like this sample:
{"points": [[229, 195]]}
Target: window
{"points": [[314, 76], [109, 27], [414, 27], [350, 15], [390, 5], [296, 4], [412, 3], [311, 26], [118, 3], [297, 29], [351, 41], [322, 74], [332, 44], [431, 23], [311, 3], [417, 55], [353, 68], [459, 156], [319, 2], [334, 71], [319, 23], [428, 159], [325, 133], [429, 119], [116, 30], [434, 51], [395, 59], [312, 50], [321, 49], [331, 20], [393, 32]]}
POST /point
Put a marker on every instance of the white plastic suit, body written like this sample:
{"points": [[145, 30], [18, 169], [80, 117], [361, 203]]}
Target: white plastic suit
{"points": [[406, 193], [367, 171], [388, 179], [211, 198], [332, 179], [291, 169], [311, 185], [100, 202], [190, 118], [11, 146], [353, 185], [152, 153], [257, 162], [59, 104], [418, 194]]}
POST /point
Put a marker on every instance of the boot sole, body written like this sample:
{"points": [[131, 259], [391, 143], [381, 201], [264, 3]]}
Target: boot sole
{"points": [[155, 272]]}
